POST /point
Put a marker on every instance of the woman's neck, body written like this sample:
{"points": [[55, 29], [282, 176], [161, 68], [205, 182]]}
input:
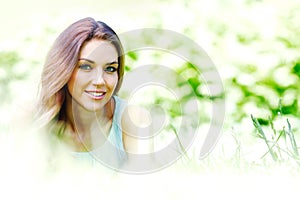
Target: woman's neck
{"points": [[88, 129]]}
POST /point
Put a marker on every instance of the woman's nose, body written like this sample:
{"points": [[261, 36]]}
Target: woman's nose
{"points": [[98, 78]]}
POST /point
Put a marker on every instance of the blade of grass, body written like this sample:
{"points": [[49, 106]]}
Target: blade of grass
{"points": [[262, 134], [183, 150], [290, 133], [276, 144]]}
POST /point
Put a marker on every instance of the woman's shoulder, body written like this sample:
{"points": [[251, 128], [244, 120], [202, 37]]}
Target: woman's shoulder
{"points": [[132, 114], [136, 116], [136, 122], [132, 118]]}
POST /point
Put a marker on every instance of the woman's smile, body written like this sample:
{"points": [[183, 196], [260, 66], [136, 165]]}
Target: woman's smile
{"points": [[96, 94]]}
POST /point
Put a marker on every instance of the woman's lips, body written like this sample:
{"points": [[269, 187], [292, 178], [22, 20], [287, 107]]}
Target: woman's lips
{"points": [[98, 95]]}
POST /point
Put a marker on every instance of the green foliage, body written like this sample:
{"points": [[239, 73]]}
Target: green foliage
{"points": [[296, 69], [254, 44], [9, 73]]}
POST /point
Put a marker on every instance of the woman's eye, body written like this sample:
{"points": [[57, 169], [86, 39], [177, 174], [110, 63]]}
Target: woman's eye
{"points": [[110, 69], [85, 67]]}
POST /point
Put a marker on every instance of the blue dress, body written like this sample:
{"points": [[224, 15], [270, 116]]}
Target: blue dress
{"points": [[111, 153]]}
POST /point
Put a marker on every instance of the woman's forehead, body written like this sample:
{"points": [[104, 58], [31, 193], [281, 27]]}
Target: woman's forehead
{"points": [[97, 49]]}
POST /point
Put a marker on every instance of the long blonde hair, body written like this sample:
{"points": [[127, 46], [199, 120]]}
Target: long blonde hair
{"points": [[61, 61]]}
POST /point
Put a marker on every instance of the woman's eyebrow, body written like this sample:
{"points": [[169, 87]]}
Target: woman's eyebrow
{"points": [[113, 63], [110, 63], [86, 60]]}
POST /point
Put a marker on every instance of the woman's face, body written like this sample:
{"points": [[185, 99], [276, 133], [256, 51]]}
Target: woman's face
{"points": [[95, 77]]}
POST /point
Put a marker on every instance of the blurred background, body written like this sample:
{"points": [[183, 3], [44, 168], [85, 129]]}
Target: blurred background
{"points": [[254, 45]]}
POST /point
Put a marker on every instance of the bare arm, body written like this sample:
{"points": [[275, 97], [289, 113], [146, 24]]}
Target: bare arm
{"points": [[136, 123]]}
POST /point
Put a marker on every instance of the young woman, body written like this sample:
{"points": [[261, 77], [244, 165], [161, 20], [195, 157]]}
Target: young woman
{"points": [[81, 77]]}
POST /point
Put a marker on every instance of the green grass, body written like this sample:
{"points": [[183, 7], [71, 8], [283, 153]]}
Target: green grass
{"points": [[281, 144]]}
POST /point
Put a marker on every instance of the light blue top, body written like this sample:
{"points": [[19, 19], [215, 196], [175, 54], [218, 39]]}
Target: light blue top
{"points": [[111, 153]]}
